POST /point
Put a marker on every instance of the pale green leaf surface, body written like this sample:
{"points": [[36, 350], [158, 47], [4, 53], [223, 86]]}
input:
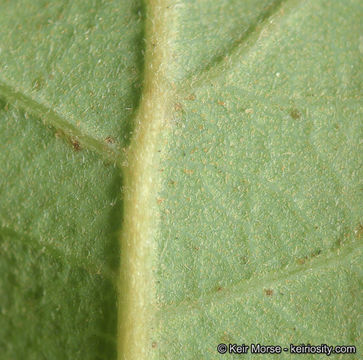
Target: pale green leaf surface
{"points": [[263, 173], [259, 229], [58, 245], [81, 59]]}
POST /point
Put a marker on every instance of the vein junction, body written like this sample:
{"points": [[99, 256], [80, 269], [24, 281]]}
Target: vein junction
{"points": [[50, 117]]}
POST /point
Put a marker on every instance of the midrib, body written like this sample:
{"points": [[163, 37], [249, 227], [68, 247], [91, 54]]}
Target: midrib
{"points": [[136, 284], [137, 306]]}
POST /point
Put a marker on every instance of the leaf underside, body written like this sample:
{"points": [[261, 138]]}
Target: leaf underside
{"points": [[259, 230]]}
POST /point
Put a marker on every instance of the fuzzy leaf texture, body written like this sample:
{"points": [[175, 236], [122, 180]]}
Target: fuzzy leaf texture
{"points": [[179, 174]]}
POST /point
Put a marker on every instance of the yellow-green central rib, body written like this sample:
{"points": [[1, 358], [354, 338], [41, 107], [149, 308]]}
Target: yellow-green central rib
{"points": [[136, 287]]}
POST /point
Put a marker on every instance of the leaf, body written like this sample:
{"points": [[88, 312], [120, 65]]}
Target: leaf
{"points": [[60, 190], [237, 196]]}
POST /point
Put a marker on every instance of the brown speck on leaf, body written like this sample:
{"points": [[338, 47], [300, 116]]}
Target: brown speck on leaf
{"points": [[38, 83], [301, 261], [110, 140], [226, 338], [190, 97], [295, 114], [178, 107], [249, 111], [221, 103], [359, 231], [188, 172], [268, 292], [219, 288], [160, 200], [59, 133], [154, 345], [315, 253], [75, 144]]}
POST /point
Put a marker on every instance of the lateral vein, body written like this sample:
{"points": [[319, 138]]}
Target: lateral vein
{"points": [[53, 119], [337, 256]]}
